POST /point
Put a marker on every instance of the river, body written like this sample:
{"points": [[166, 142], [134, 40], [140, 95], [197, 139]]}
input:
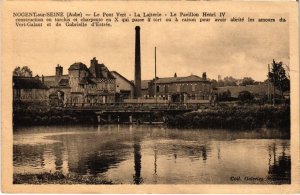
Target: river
{"points": [[145, 154]]}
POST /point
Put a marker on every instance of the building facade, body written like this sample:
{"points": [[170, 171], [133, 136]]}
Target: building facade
{"points": [[124, 87], [81, 86], [29, 89], [91, 85], [181, 89]]}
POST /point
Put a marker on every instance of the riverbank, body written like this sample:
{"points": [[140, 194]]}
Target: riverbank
{"points": [[50, 116], [56, 178], [235, 117]]}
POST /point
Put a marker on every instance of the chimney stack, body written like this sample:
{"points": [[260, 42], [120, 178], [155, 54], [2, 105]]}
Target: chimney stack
{"points": [[137, 67], [204, 76], [58, 72]]}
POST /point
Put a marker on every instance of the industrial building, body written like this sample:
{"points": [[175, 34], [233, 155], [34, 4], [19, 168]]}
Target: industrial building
{"points": [[96, 84]]}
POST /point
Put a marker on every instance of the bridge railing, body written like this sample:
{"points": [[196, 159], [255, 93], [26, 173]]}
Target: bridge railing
{"points": [[133, 106]]}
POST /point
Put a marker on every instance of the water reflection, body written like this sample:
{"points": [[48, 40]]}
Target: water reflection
{"points": [[279, 168], [137, 178], [154, 154]]}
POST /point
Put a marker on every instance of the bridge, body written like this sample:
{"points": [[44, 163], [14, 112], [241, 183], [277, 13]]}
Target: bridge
{"points": [[109, 112]]}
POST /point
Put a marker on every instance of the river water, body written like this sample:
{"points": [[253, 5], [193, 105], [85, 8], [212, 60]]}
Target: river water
{"points": [[154, 154]]}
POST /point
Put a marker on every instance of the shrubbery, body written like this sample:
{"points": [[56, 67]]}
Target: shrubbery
{"points": [[237, 117], [38, 115]]}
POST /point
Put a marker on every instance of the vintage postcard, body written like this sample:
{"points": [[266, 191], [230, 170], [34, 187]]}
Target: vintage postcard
{"points": [[150, 97]]}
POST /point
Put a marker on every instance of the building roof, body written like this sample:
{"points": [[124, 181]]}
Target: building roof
{"points": [[64, 82], [191, 78], [28, 83], [50, 81], [78, 66], [86, 81], [97, 71], [118, 74]]}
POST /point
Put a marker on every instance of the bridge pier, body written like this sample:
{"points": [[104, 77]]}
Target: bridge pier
{"points": [[99, 119]]}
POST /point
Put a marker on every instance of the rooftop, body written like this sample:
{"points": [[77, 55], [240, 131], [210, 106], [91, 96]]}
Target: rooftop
{"points": [[78, 66], [191, 78], [28, 83]]}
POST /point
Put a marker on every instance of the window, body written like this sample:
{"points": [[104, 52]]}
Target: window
{"points": [[157, 88], [193, 87], [178, 87]]}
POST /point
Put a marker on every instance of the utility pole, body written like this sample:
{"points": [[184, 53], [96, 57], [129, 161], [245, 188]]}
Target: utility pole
{"points": [[155, 75]]}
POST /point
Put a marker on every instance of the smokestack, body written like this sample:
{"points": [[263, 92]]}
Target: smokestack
{"points": [[137, 67]]}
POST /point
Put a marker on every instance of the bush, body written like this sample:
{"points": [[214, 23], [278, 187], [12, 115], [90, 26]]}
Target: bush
{"points": [[238, 117], [245, 96]]}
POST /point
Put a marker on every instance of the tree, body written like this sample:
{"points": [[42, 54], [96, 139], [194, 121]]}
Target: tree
{"points": [[22, 72], [247, 81], [245, 95], [278, 78], [230, 81]]}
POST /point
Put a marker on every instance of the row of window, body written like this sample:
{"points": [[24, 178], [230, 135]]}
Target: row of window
{"points": [[110, 87], [180, 87]]}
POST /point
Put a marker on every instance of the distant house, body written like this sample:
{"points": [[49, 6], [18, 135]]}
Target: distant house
{"points": [[181, 89], [29, 89], [124, 87]]}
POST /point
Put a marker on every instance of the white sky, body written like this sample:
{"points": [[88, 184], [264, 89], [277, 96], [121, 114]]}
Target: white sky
{"points": [[228, 49]]}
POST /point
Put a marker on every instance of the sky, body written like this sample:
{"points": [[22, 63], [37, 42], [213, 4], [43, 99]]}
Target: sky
{"points": [[229, 49]]}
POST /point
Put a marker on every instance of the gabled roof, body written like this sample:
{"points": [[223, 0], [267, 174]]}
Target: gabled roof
{"points": [[191, 78], [97, 71], [28, 83], [116, 73], [64, 82], [86, 80]]}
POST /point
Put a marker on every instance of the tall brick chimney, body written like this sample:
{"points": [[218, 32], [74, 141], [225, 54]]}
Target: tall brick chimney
{"points": [[137, 67]]}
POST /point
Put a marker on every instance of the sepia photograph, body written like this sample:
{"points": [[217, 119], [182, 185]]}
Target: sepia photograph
{"points": [[126, 95]]}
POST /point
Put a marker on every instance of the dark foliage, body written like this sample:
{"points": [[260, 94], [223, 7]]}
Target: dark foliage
{"points": [[26, 114], [245, 95], [238, 117], [278, 77]]}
